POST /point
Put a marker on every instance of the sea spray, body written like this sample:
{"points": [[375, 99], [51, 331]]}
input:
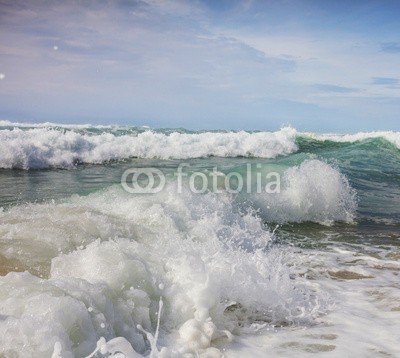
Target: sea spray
{"points": [[108, 286], [313, 191]]}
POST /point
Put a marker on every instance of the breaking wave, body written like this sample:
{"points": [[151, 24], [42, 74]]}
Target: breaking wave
{"points": [[106, 259], [52, 147]]}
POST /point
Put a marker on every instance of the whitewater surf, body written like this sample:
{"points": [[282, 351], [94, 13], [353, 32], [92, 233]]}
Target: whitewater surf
{"points": [[88, 269]]}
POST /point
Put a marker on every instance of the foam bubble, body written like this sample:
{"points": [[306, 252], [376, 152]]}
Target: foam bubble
{"points": [[52, 316]]}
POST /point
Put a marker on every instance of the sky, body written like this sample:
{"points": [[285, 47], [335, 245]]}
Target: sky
{"points": [[324, 66]]}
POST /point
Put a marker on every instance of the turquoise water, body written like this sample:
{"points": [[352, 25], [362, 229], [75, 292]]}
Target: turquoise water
{"points": [[372, 167]]}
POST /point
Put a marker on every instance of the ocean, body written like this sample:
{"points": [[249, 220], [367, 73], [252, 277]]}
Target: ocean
{"points": [[122, 241]]}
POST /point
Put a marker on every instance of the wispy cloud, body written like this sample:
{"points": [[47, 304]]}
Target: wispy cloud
{"points": [[334, 89], [390, 47], [386, 81]]}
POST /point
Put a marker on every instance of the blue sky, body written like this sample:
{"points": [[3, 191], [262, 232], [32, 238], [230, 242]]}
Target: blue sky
{"points": [[316, 65]]}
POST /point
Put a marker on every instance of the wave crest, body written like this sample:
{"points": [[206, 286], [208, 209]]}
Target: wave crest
{"points": [[313, 191], [392, 137], [40, 148]]}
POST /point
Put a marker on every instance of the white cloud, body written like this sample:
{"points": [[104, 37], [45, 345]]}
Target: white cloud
{"points": [[167, 59]]}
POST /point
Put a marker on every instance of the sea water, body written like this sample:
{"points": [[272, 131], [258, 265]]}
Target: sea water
{"points": [[88, 269]]}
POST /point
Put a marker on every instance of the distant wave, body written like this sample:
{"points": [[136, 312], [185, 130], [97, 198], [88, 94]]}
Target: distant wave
{"points": [[52, 145], [392, 137], [6, 123], [55, 147]]}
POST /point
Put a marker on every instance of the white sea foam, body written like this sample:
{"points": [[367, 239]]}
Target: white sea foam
{"points": [[393, 137], [50, 147], [112, 257], [313, 191], [365, 316]]}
